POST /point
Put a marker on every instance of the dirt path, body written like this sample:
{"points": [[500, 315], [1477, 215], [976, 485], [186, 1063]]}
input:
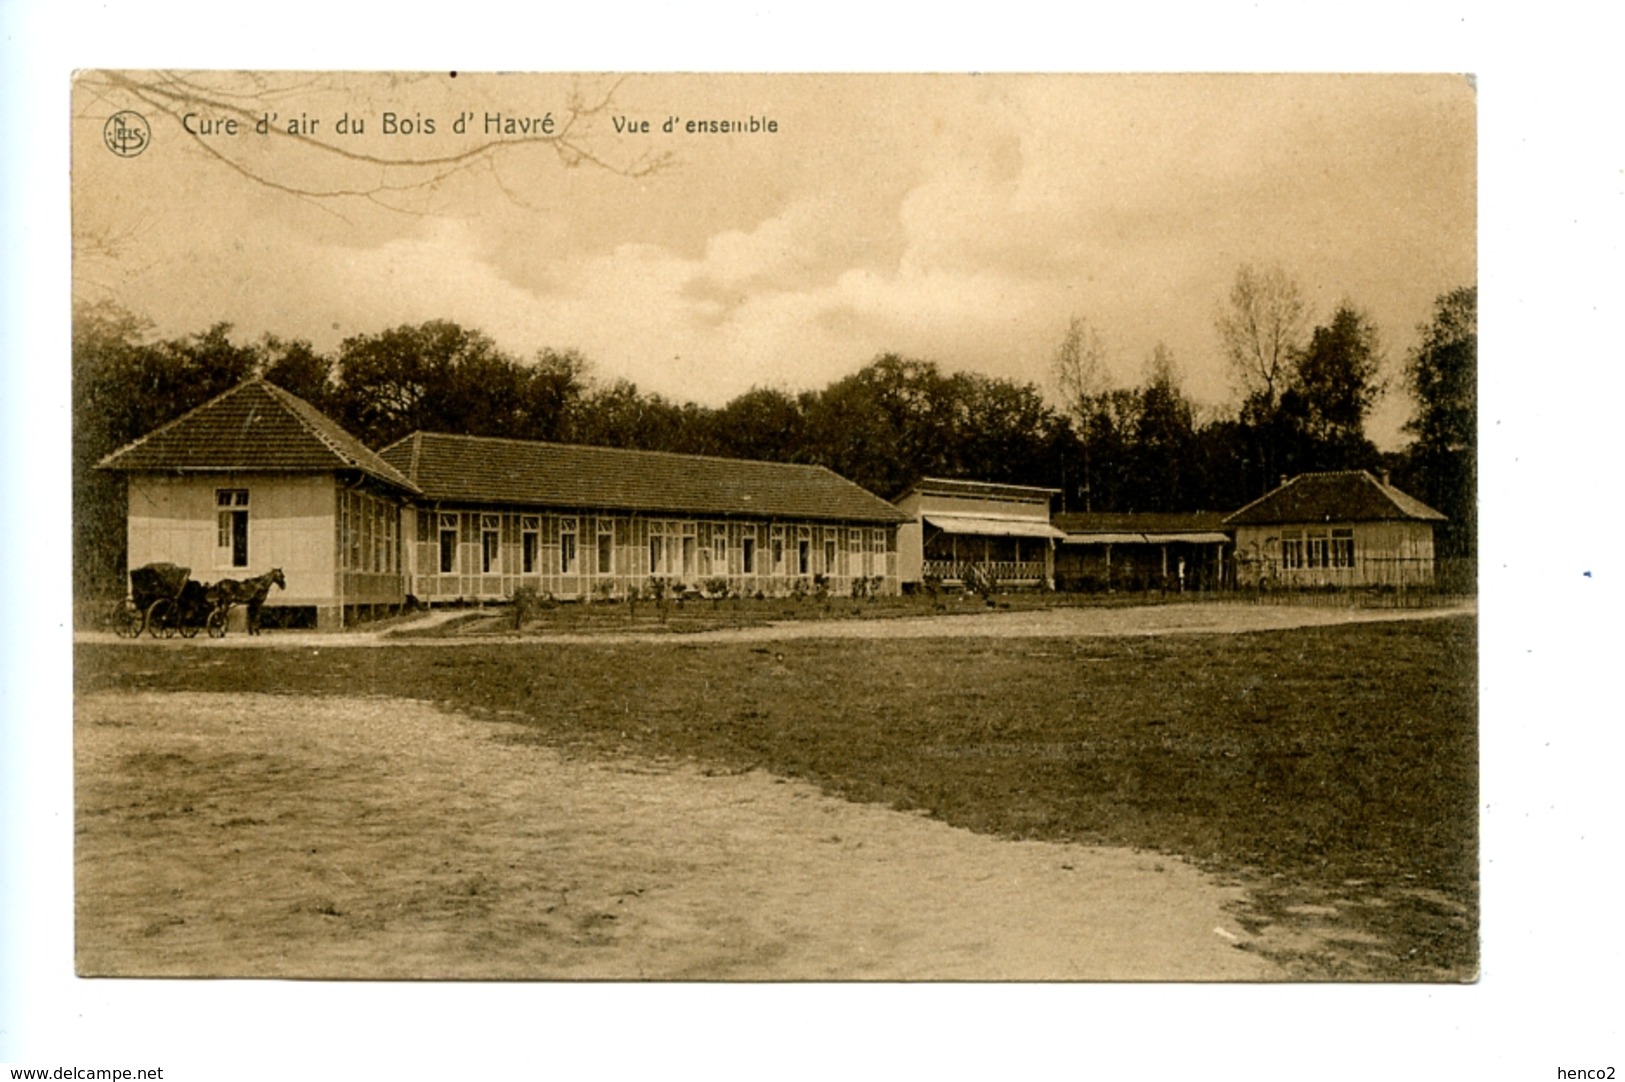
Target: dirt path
{"points": [[1180, 619], [282, 836]]}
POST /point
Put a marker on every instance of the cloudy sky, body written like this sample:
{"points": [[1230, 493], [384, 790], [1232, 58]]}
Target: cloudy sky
{"points": [[963, 219]]}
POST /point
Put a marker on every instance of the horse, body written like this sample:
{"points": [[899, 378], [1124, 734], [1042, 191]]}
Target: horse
{"points": [[250, 592]]}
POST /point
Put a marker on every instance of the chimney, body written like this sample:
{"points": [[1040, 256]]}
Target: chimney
{"points": [[1385, 482], [1282, 483]]}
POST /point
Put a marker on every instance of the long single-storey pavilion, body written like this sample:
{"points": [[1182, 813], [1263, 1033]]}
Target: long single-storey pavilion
{"points": [[494, 515], [258, 478]]}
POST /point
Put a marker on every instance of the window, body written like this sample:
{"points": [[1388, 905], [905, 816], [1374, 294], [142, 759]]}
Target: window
{"points": [[1318, 549], [567, 546], [530, 543], [1291, 549], [491, 544], [688, 556], [877, 545], [448, 544], [657, 553], [803, 557], [829, 555], [380, 536], [778, 550], [1343, 548], [747, 555], [231, 526], [606, 548], [719, 550]]}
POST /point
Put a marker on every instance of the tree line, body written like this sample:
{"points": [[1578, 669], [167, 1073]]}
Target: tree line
{"points": [[1307, 392]]}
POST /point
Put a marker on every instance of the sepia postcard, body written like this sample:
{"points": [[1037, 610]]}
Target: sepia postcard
{"points": [[775, 528]]}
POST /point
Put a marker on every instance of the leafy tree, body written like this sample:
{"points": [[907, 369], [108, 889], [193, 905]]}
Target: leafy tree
{"points": [[552, 388], [1334, 384], [763, 423], [1001, 430], [619, 415], [884, 426], [111, 363], [1163, 434], [1442, 373], [295, 366], [124, 386], [437, 377]]}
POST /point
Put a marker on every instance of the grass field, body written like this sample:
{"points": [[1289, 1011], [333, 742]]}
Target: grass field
{"points": [[1330, 770]]}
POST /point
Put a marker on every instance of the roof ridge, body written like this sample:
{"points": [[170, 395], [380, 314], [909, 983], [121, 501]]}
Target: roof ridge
{"points": [[172, 422], [294, 402], [1357, 492], [617, 450], [322, 427]]}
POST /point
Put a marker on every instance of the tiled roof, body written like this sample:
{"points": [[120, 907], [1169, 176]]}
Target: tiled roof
{"points": [[1139, 522], [481, 470], [254, 426], [1344, 496]]}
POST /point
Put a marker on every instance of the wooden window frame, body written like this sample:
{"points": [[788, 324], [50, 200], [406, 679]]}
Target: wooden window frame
{"points": [[231, 522]]}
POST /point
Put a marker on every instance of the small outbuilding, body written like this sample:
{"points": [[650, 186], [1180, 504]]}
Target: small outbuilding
{"points": [[1345, 528], [953, 526]]}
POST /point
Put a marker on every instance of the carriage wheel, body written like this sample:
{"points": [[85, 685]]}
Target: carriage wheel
{"points": [[128, 620], [161, 618], [217, 623], [187, 630]]}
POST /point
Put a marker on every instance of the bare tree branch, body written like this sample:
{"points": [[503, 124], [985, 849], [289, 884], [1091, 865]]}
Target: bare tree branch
{"points": [[383, 177], [1263, 328]]}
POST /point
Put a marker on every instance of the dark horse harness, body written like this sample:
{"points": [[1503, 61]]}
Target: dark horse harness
{"points": [[250, 592]]}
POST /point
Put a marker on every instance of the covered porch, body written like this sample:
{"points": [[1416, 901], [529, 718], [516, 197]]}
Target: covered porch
{"points": [[1015, 551]]}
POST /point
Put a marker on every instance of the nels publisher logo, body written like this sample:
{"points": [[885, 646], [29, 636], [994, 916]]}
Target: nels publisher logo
{"points": [[126, 134]]}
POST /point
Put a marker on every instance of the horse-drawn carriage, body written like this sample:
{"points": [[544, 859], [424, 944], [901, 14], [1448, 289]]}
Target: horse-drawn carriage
{"points": [[164, 600]]}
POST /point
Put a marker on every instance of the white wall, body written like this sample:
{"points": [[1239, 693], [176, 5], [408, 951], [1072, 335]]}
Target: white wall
{"points": [[290, 525]]}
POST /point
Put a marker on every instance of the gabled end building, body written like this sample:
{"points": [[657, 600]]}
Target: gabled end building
{"points": [[1345, 528], [258, 478]]}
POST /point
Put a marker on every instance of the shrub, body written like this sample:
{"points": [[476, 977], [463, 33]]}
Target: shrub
{"points": [[660, 590], [527, 602], [931, 583], [717, 590], [981, 580]]}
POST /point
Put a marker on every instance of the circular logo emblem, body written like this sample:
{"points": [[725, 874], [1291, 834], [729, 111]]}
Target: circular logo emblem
{"points": [[126, 134]]}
